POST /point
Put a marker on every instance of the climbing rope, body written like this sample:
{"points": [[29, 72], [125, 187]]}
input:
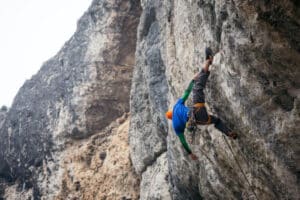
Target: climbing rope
{"points": [[204, 153], [234, 156], [229, 146]]}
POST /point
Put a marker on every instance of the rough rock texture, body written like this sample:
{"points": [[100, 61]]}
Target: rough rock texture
{"points": [[75, 95], [94, 168], [100, 168], [149, 89], [254, 87], [61, 138], [156, 178], [3, 113]]}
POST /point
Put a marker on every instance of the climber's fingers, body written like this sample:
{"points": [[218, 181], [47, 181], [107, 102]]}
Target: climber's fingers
{"points": [[193, 156]]}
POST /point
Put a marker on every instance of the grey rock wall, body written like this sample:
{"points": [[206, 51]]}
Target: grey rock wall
{"points": [[156, 178], [149, 90], [254, 87], [116, 52], [75, 94], [3, 113]]}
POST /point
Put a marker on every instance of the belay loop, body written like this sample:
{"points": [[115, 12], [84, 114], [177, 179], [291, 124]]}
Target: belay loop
{"points": [[191, 125]]}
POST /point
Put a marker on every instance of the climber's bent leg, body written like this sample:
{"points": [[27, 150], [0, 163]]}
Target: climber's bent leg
{"points": [[199, 85], [201, 115], [220, 125]]}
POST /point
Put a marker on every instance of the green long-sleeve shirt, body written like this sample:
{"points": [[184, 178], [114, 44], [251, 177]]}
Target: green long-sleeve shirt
{"points": [[184, 98], [188, 91], [184, 143]]}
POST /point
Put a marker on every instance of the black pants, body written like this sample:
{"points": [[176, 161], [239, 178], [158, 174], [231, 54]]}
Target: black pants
{"points": [[201, 114]]}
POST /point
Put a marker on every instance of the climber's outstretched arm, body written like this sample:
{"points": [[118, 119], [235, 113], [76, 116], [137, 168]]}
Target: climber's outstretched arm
{"points": [[186, 146], [187, 91], [184, 143]]}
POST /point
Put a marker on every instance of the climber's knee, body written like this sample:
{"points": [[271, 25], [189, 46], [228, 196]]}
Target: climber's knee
{"points": [[220, 125], [215, 120]]}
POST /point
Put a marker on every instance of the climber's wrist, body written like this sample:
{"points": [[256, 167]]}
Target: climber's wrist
{"points": [[193, 156]]}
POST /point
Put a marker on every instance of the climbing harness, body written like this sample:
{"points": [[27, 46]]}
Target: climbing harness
{"points": [[192, 123], [229, 146], [197, 107]]}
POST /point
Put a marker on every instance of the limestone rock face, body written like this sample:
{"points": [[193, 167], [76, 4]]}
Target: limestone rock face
{"points": [[76, 94], [149, 92], [100, 168], [69, 133], [3, 113], [156, 177], [253, 87]]}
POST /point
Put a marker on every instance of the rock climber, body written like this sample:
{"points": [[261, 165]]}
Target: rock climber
{"points": [[184, 117]]}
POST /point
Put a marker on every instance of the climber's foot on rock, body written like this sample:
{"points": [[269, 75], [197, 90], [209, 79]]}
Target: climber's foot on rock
{"points": [[208, 53], [232, 135]]}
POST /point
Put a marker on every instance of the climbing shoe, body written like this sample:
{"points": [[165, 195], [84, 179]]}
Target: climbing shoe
{"points": [[208, 53], [233, 135]]}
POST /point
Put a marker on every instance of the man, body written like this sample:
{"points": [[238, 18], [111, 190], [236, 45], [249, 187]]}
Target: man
{"points": [[183, 116]]}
